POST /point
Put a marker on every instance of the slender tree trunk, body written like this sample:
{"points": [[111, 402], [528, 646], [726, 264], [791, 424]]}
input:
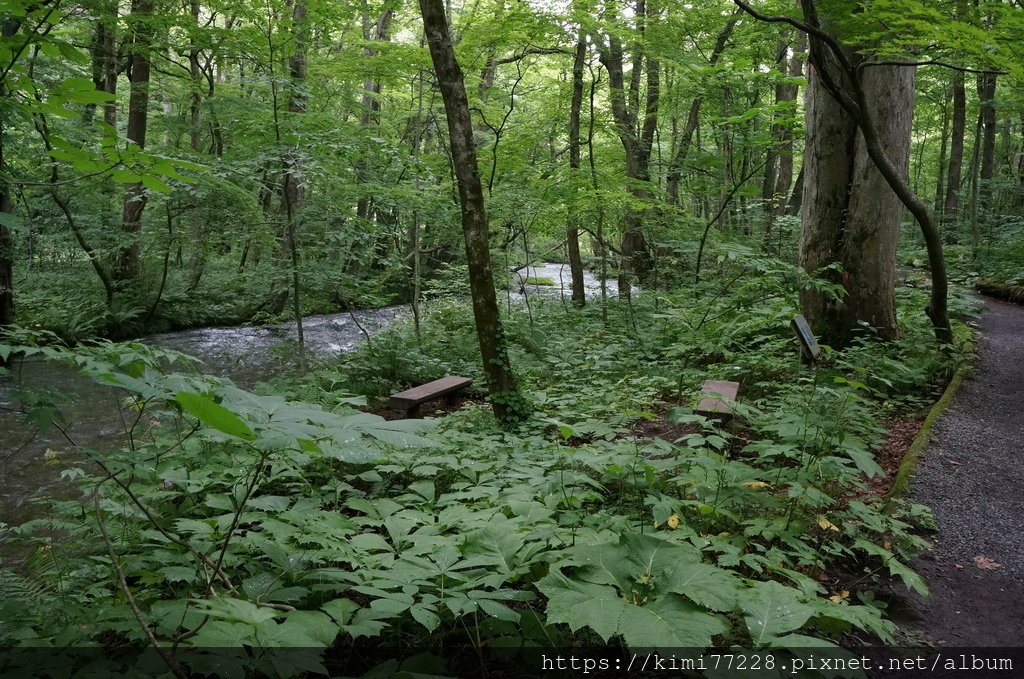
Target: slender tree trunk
{"points": [[785, 175], [986, 97], [579, 296], [940, 186], [635, 253], [378, 31], [292, 189], [6, 241], [196, 73], [505, 400], [771, 164], [129, 256], [10, 28], [675, 168], [956, 150]]}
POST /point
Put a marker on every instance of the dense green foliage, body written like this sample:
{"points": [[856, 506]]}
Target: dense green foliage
{"points": [[616, 512], [169, 165]]}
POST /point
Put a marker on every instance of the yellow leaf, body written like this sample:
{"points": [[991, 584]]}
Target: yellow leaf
{"points": [[825, 524], [673, 521], [840, 597], [755, 484]]}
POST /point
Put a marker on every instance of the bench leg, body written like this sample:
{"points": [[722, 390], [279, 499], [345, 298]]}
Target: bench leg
{"points": [[413, 412]]}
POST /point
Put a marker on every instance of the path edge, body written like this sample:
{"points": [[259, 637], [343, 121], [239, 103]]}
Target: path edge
{"points": [[908, 466]]}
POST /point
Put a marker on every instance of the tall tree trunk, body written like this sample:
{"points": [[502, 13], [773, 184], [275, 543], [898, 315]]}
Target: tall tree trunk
{"points": [[771, 163], [572, 236], [675, 168], [9, 29], [505, 400], [854, 91], [986, 98], [635, 251], [196, 74], [292, 189], [940, 175], [377, 31], [956, 150], [128, 261], [6, 241], [788, 99], [850, 214]]}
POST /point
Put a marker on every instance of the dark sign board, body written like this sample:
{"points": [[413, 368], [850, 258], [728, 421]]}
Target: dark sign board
{"points": [[808, 345]]}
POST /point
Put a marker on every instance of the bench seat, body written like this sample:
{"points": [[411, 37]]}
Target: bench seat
{"points": [[411, 399]]}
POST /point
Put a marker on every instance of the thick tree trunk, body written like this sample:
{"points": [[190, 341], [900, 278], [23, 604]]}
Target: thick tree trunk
{"points": [[505, 400], [129, 256], [572, 236], [956, 150], [850, 214]]}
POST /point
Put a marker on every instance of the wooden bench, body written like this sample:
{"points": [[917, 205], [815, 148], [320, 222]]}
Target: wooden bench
{"points": [[718, 397], [411, 399]]}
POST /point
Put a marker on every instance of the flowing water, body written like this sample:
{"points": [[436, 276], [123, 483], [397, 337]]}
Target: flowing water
{"points": [[244, 354]]}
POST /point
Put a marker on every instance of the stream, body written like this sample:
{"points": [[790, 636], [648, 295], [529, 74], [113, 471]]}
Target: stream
{"points": [[244, 354]]}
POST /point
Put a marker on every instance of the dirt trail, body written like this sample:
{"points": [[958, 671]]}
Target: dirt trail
{"points": [[972, 476]]}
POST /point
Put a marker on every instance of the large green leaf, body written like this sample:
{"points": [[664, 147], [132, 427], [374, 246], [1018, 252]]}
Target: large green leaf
{"points": [[772, 610], [582, 604], [214, 415], [708, 585], [666, 622]]}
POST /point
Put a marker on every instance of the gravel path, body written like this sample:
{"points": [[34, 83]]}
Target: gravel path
{"points": [[972, 477]]}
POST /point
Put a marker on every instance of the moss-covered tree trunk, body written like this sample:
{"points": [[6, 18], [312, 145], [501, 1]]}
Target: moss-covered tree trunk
{"points": [[500, 380]]}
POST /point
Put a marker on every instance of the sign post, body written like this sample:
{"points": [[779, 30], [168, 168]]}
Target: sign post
{"points": [[809, 349]]}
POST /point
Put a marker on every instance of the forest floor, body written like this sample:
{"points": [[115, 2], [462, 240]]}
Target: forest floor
{"points": [[972, 477]]}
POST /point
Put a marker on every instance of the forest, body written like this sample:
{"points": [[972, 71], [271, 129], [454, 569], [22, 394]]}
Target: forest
{"points": [[230, 231]]}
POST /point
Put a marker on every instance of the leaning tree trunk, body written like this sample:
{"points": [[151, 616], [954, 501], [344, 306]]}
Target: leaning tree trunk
{"points": [[501, 384]]}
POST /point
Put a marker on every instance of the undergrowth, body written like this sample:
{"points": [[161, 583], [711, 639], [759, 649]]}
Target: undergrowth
{"points": [[292, 517]]}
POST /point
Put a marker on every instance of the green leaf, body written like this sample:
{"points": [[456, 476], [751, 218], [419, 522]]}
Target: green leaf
{"points": [[425, 616], [865, 462], [154, 184], [772, 610], [670, 622], [708, 585], [214, 415], [223, 634], [582, 604], [237, 610]]}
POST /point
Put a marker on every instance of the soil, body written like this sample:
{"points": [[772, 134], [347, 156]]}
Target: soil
{"points": [[972, 477], [889, 456]]}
